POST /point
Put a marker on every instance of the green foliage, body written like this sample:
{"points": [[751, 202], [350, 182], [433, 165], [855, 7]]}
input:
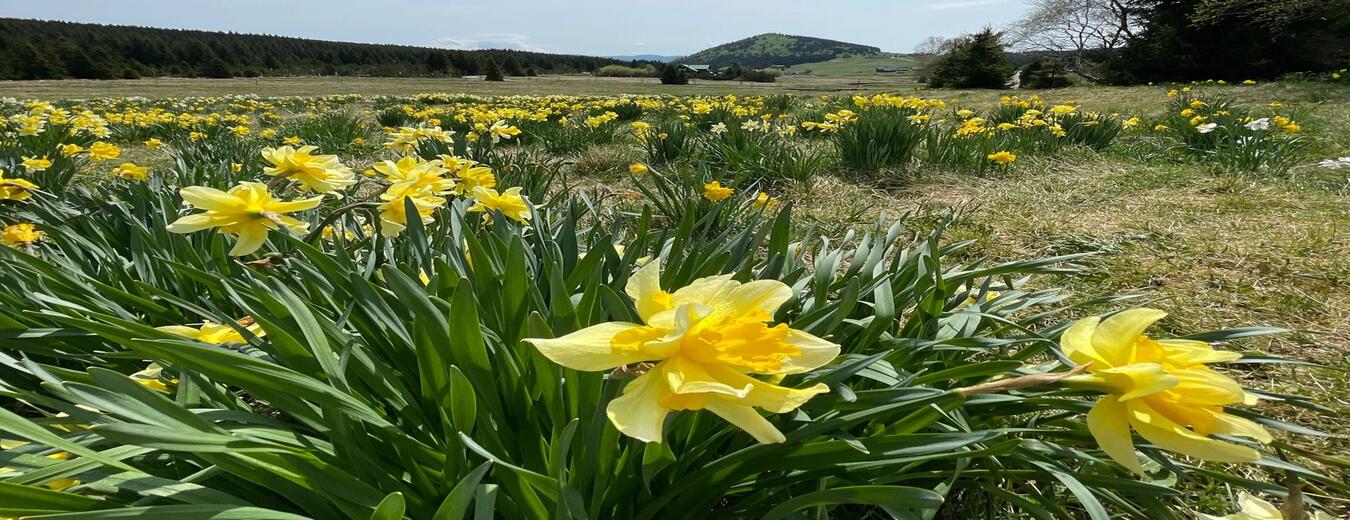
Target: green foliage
{"points": [[1045, 73], [973, 61], [673, 75], [36, 49], [882, 137], [332, 132], [622, 71]]}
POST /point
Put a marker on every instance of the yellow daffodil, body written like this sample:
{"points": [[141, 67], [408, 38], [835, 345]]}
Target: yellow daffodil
{"points": [[36, 164], [154, 144], [1003, 157], [132, 172], [102, 151], [393, 212], [637, 168], [14, 188], [706, 340], [763, 200], [412, 173], [247, 211], [315, 173], [1160, 388], [151, 376], [509, 203], [500, 130], [23, 234], [216, 333], [714, 191], [69, 150]]}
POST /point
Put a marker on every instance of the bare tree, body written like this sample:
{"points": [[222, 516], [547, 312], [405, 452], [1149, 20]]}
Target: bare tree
{"points": [[1074, 26], [932, 45]]}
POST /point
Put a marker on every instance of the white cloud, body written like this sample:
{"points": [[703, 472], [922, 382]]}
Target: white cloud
{"points": [[639, 44], [950, 5], [512, 41]]}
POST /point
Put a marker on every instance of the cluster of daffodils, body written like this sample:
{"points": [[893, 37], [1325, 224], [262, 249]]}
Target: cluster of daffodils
{"points": [[324, 174], [405, 139]]}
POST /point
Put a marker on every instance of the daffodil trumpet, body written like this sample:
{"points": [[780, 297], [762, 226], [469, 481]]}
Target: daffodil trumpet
{"points": [[698, 348]]}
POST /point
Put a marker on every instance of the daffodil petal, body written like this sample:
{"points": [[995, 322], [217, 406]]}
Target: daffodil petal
{"points": [[687, 377], [294, 205], [1114, 337], [1228, 424], [1185, 352], [813, 352], [638, 412], [187, 332], [590, 349], [645, 289], [1109, 423], [197, 222], [1138, 380], [1203, 386], [1076, 342], [209, 198], [1257, 509], [770, 397], [763, 295], [746, 418], [704, 290], [249, 240], [1170, 436]]}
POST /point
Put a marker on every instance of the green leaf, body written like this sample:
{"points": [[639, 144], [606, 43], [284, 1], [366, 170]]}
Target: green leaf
{"points": [[456, 504], [391, 508], [898, 497]]}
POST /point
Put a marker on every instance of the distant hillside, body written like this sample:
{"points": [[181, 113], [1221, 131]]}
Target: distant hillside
{"points": [[35, 49], [777, 49], [658, 58]]}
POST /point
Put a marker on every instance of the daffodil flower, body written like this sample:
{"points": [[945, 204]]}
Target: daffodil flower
{"points": [[216, 333], [1160, 388], [316, 173], [246, 211], [706, 340]]}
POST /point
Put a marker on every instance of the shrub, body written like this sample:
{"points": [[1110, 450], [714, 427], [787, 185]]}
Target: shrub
{"points": [[974, 61], [620, 71], [1045, 73]]}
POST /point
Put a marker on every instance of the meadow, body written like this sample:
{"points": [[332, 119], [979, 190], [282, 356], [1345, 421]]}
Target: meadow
{"points": [[552, 297]]}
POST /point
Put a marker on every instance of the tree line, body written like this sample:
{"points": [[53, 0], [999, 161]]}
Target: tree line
{"points": [[36, 49], [1138, 41]]}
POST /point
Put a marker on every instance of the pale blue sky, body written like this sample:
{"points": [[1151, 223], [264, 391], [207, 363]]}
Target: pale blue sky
{"points": [[597, 27]]}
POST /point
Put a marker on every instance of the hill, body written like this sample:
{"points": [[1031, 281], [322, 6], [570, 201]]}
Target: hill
{"points": [[778, 49], [37, 49], [857, 65]]}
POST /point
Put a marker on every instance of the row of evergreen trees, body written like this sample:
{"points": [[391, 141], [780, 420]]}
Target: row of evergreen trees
{"points": [[33, 49]]}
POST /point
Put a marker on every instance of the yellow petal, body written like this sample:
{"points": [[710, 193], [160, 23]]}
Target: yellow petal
{"points": [[746, 418], [1228, 424], [187, 332], [1077, 343], [294, 205], [687, 377], [1138, 380], [198, 222], [645, 289], [773, 398], [1108, 421], [762, 295], [703, 290], [1203, 386], [209, 198], [638, 412], [590, 349], [1185, 352], [1114, 337], [813, 352], [1170, 436], [250, 238]]}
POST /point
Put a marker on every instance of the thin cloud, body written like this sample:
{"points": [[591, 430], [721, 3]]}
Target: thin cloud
{"points": [[960, 4], [511, 41]]}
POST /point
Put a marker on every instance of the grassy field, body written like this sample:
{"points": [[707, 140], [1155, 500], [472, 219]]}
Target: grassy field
{"points": [[1215, 249], [855, 65]]}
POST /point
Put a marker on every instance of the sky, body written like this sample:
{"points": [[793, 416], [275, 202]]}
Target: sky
{"points": [[591, 27]]}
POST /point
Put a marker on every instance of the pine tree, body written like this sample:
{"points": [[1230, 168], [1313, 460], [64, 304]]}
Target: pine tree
{"points": [[975, 61], [672, 75], [437, 63], [492, 72], [512, 66]]}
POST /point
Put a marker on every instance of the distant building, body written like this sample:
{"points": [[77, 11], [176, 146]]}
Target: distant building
{"points": [[697, 69], [892, 70]]}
